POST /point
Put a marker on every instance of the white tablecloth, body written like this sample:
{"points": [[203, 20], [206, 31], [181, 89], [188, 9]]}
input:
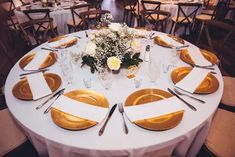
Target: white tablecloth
{"points": [[60, 16], [49, 139]]}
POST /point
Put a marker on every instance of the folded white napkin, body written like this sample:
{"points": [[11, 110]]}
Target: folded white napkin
{"points": [[169, 40], [197, 57], [38, 85], [65, 40], [80, 109], [153, 109], [37, 60], [192, 80]]}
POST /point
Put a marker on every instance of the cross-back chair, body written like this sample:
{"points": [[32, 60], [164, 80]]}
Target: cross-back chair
{"points": [[131, 11], [76, 23], [185, 16], [37, 31], [157, 18], [8, 5], [94, 4], [92, 17], [34, 14]]}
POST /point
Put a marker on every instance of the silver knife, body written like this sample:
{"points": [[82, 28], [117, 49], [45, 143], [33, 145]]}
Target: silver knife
{"points": [[33, 72], [107, 119], [49, 107], [189, 105], [204, 67], [54, 95]]}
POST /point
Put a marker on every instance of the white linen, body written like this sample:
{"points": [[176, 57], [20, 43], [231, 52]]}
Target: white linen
{"points": [[169, 40], [62, 41], [193, 79], [37, 60], [38, 85], [153, 109], [197, 57], [80, 109]]}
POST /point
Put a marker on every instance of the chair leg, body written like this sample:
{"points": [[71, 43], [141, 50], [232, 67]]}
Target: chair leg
{"points": [[200, 33], [173, 25]]}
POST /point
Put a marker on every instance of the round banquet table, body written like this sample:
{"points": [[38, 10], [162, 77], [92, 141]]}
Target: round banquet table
{"points": [[50, 140], [60, 14]]}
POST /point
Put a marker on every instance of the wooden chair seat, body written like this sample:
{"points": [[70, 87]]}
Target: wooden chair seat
{"points": [[157, 17], [220, 140], [228, 97], [180, 19], [11, 136], [71, 22], [204, 17]]}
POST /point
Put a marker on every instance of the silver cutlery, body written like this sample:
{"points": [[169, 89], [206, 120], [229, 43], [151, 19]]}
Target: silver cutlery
{"points": [[121, 110], [188, 104], [57, 96], [86, 34], [54, 95], [44, 48], [180, 47], [78, 37], [101, 131], [177, 39], [34, 71], [204, 67], [179, 93]]}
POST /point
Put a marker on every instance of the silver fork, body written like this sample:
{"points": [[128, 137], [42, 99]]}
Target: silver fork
{"points": [[121, 110], [179, 93]]}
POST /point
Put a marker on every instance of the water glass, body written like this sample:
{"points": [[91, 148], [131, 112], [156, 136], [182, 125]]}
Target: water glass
{"points": [[105, 77], [67, 71], [87, 82], [154, 70], [138, 81]]}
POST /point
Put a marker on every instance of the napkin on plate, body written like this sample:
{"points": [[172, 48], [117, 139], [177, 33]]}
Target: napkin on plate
{"points": [[80, 109], [197, 57], [65, 40], [38, 85], [193, 79], [37, 60], [169, 40], [153, 109]]}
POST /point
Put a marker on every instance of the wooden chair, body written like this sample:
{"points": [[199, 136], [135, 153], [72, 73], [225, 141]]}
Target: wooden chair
{"points": [[184, 18], [94, 4], [157, 18], [227, 30], [76, 23], [92, 17], [219, 14], [131, 10], [35, 32], [34, 14], [220, 139]]}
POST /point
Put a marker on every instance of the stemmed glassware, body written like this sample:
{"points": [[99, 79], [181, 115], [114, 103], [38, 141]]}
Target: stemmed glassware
{"points": [[105, 77], [154, 70]]}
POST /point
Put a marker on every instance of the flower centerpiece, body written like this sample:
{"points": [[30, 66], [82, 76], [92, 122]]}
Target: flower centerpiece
{"points": [[114, 47]]}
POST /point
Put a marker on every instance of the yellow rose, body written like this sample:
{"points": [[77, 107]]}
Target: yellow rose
{"points": [[114, 63], [135, 45]]}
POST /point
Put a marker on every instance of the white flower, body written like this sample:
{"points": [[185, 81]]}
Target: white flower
{"points": [[114, 63], [135, 45], [91, 49], [115, 27], [92, 37]]}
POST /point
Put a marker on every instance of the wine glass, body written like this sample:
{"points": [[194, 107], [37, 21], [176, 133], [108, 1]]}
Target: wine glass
{"points": [[154, 70], [105, 77]]}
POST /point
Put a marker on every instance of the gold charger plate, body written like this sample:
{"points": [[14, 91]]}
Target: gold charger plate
{"points": [[164, 122], [209, 85], [21, 90], [70, 43], [50, 60], [184, 56], [159, 41], [71, 122]]}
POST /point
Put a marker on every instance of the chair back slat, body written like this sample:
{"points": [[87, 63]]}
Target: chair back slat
{"points": [[33, 14], [150, 5], [185, 14]]}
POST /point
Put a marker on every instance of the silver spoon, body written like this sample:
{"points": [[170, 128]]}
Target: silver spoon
{"points": [[121, 110], [179, 93]]}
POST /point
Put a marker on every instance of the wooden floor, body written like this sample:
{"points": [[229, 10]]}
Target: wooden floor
{"points": [[16, 47]]}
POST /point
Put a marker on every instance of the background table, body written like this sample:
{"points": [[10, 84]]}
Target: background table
{"points": [[184, 140]]}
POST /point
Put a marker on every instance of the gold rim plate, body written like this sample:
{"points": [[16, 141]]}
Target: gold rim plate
{"points": [[159, 41], [164, 122], [70, 122], [50, 60], [209, 85], [21, 90], [69, 44], [184, 55]]}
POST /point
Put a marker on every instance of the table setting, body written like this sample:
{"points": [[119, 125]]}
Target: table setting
{"points": [[98, 87]]}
